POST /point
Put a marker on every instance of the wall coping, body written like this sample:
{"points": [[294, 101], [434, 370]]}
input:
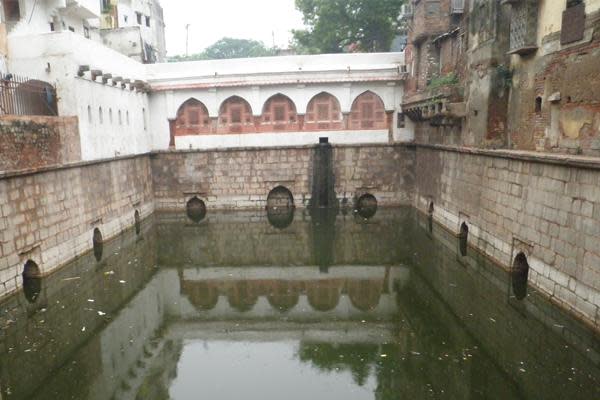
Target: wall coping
{"points": [[77, 164], [563, 160], [293, 147]]}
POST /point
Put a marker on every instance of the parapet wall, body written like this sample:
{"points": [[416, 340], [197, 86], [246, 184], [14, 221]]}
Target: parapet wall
{"points": [[49, 217], [243, 178], [544, 206], [522, 202], [32, 142]]}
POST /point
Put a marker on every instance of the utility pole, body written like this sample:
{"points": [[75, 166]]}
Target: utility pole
{"points": [[187, 40]]}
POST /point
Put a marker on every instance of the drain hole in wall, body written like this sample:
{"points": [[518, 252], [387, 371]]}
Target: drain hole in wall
{"points": [[519, 274], [463, 239], [32, 281], [280, 197], [196, 209], [366, 206], [98, 244], [138, 222]]}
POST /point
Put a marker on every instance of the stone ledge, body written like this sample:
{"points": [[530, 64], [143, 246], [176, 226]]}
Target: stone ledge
{"points": [[408, 145], [77, 164], [564, 160]]}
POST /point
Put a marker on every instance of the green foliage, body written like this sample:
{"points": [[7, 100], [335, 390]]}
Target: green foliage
{"points": [[336, 26], [439, 81], [229, 48]]}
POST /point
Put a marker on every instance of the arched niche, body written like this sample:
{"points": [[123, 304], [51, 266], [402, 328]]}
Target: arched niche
{"points": [[323, 113], [368, 112], [235, 116]]}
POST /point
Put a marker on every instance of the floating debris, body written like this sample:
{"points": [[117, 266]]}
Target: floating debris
{"points": [[71, 279], [109, 273], [100, 313]]}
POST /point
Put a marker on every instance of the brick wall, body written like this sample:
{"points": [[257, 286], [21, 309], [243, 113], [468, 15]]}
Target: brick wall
{"points": [[32, 142], [49, 217], [567, 83], [242, 178], [519, 202]]}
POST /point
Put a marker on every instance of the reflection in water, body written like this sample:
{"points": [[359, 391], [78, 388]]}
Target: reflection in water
{"points": [[323, 236], [98, 244], [366, 206], [519, 274], [225, 316], [280, 218], [32, 287], [196, 209]]}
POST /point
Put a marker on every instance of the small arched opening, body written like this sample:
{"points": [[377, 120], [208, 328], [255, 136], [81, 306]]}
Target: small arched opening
{"points": [[463, 239], [280, 197], [192, 119], [366, 206], [431, 208], [137, 222], [279, 114], [36, 98], [235, 116], [323, 113], [32, 281], [519, 276], [368, 112], [98, 244], [538, 104], [196, 209]]}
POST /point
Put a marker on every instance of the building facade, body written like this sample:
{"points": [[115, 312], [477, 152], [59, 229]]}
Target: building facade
{"points": [[135, 28], [504, 74]]}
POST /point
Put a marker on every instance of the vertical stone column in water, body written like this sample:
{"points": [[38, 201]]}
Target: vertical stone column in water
{"points": [[323, 193], [323, 205]]}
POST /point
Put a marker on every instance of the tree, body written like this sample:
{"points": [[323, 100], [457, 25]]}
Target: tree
{"points": [[229, 48], [335, 26]]}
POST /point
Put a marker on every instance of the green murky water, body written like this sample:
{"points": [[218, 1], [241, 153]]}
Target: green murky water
{"points": [[243, 305]]}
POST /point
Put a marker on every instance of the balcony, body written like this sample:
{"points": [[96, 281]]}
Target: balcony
{"points": [[441, 106]]}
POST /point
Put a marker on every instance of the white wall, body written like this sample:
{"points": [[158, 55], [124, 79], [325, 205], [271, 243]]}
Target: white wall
{"points": [[64, 52], [106, 138], [279, 139]]}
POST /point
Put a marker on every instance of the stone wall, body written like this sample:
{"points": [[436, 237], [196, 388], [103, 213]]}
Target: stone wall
{"points": [[49, 217], [522, 202], [33, 142], [470, 292], [243, 178]]}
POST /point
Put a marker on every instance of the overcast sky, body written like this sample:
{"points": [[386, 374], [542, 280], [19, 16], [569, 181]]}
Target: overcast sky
{"points": [[210, 20]]}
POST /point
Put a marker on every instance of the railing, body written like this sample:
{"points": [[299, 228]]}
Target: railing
{"points": [[24, 96]]}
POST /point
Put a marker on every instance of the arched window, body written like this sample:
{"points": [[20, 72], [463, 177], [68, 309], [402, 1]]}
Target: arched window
{"points": [[192, 118], [279, 114], [235, 116], [368, 112], [323, 113], [100, 115]]}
